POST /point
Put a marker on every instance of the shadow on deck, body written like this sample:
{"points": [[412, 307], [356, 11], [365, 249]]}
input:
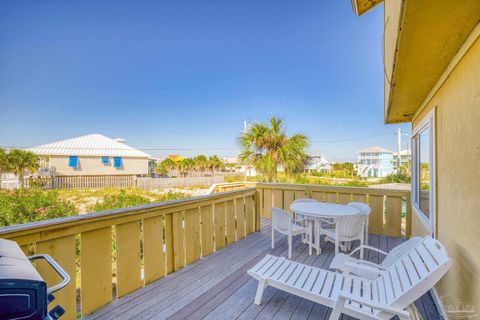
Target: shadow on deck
{"points": [[217, 287]]}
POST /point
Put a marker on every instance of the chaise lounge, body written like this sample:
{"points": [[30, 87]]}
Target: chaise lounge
{"points": [[411, 276]]}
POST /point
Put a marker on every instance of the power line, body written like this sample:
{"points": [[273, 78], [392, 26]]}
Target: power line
{"points": [[353, 139], [122, 149], [193, 149]]}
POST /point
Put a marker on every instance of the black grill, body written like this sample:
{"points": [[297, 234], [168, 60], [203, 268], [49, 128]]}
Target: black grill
{"points": [[23, 292]]}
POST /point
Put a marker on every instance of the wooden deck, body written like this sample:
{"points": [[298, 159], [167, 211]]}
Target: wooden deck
{"points": [[217, 287]]}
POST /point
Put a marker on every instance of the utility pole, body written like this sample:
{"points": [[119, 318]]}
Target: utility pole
{"points": [[399, 149], [245, 131]]}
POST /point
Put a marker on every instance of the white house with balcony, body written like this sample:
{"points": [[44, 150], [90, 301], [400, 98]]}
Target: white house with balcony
{"points": [[318, 163], [405, 159], [374, 162]]}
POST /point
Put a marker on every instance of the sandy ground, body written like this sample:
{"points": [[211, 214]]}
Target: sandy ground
{"points": [[187, 192], [85, 199]]}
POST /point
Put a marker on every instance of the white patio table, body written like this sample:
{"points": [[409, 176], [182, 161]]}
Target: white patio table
{"points": [[321, 210]]}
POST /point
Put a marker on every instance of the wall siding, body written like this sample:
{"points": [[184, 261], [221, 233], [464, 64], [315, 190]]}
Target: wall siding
{"points": [[93, 166], [457, 105]]}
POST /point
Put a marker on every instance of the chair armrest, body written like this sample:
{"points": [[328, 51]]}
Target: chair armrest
{"points": [[326, 221], [371, 272], [369, 248], [375, 305], [299, 220], [371, 264]]}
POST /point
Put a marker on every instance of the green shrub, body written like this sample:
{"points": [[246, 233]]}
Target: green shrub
{"points": [[354, 183], [28, 205], [396, 178], [121, 200], [171, 196]]}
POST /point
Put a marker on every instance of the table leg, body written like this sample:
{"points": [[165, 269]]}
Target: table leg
{"points": [[317, 236]]}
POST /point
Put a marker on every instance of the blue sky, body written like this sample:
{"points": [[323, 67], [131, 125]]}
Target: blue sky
{"points": [[185, 74]]}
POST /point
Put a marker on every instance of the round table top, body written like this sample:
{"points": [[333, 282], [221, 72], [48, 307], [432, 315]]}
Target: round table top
{"points": [[322, 209]]}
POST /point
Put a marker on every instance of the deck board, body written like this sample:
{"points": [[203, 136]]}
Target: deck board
{"points": [[217, 287]]}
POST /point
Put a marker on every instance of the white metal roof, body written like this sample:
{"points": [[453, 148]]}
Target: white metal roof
{"points": [[375, 149], [89, 145]]}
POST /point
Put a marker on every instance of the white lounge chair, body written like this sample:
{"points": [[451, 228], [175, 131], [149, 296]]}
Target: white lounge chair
{"points": [[283, 223], [347, 263], [397, 288]]}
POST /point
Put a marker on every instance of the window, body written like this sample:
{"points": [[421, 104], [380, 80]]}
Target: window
{"points": [[423, 170], [105, 161], [73, 161], [117, 162]]}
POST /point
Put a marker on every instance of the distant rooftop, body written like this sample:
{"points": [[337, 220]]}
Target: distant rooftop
{"points": [[375, 149], [405, 152], [89, 145], [175, 157]]}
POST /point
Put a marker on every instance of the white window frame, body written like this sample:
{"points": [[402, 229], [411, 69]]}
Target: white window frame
{"points": [[427, 124]]}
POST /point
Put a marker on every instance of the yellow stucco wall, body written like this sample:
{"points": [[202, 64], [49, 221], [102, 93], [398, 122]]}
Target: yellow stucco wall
{"points": [[457, 105], [94, 166]]}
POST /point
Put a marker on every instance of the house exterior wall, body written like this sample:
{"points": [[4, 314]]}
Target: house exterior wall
{"points": [[457, 116], [378, 164], [93, 166], [404, 160]]}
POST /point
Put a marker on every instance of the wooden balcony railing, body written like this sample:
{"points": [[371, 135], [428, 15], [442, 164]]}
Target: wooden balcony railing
{"points": [[391, 209], [110, 254]]}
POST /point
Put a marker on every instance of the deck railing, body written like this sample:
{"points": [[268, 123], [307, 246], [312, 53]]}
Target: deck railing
{"points": [[110, 254], [391, 208]]}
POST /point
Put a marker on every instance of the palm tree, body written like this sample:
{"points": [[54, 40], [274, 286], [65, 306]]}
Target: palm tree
{"points": [[184, 166], [200, 163], [266, 146], [22, 162], [214, 163], [165, 166], [4, 164]]}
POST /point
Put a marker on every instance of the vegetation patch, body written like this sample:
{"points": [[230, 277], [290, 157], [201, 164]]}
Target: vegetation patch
{"points": [[125, 200], [29, 205], [396, 178]]}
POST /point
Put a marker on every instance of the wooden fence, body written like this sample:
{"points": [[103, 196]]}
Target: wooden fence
{"points": [[85, 182], [139, 244], [144, 183]]}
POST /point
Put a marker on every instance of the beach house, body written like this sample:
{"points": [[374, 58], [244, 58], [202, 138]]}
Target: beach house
{"points": [[91, 155], [374, 162]]}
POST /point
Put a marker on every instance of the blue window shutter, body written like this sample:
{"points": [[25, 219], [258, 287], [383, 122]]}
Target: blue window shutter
{"points": [[73, 161], [117, 162], [105, 160]]}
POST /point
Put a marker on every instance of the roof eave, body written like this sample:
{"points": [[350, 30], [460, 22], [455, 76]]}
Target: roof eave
{"points": [[430, 38], [362, 6]]}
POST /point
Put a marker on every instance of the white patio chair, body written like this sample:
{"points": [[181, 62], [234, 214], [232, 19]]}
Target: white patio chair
{"points": [[300, 216], [363, 208], [347, 228], [349, 264], [405, 281], [283, 223]]}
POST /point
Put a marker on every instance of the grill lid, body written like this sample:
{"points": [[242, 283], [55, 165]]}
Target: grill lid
{"points": [[14, 264]]}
